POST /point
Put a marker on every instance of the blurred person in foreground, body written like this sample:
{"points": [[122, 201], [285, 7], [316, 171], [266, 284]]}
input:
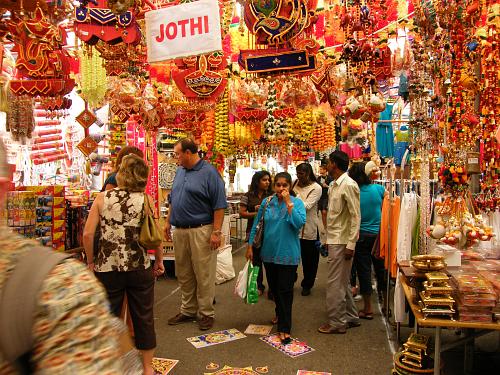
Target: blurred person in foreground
{"points": [[122, 264], [260, 189], [197, 204], [284, 217], [342, 230], [73, 331]]}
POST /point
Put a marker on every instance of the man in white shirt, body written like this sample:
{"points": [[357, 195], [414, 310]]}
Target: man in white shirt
{"points": [[342, 230]]}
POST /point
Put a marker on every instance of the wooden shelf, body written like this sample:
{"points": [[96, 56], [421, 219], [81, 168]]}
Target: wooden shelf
{"points": [[436, 322]]}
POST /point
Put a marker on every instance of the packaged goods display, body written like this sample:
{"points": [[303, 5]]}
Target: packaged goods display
{"points": [[22, 212], [50, 228]]}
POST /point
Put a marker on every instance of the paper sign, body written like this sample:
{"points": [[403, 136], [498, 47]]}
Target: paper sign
{"points": [[183, 30]]}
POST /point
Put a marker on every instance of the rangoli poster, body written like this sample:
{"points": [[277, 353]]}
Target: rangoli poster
{"points": [[295, 349], [163, 366], [215, 338]]}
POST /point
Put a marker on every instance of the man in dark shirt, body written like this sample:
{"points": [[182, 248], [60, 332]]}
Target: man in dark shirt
{"points": [[197, 204]]}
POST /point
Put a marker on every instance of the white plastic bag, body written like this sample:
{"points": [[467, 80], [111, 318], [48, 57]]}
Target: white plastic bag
{"points": [[241, 283], [225, 269]]}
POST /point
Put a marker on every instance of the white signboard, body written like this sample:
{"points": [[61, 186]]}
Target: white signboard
{"points": [[183, 30]]}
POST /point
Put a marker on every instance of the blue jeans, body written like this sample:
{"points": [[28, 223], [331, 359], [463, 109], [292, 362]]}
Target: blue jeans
{"points": [[363, 261]]}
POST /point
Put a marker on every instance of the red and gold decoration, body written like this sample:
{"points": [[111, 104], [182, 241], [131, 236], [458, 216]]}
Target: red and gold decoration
{"points": [[287, 27], [98, 22], [202, 76], [43, 66]]}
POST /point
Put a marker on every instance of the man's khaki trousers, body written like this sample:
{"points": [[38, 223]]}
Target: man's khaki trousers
{"points": [[195, 266]]}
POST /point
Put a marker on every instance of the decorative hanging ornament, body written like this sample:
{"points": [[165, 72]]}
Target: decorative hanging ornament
{"points": [[86, 118], [43, 66], [119, 7], [93, 80], [94, 23], [201, 77], [87, 146]]}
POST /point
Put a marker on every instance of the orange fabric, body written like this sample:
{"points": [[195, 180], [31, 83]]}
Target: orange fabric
{"points": [[393, 220]]}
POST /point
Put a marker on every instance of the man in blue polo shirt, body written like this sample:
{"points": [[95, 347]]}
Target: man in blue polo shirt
{"points": [[197, 204]]}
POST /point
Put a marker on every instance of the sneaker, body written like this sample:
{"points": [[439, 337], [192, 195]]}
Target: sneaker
{"points": [[206, 322], [180, 318], [306, 291], [328, 329], [357, 297]]}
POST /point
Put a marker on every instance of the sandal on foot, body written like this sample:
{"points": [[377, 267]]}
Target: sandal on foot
{"points": [[274, 320], [285, 338], [365, 315]]}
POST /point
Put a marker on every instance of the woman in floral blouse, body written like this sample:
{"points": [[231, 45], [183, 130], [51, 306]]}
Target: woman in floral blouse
{"points": [[121, 263]]}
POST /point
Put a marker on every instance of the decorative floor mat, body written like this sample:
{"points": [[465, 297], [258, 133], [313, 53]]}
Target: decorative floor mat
{"points": [[255, 329], [294, 349], [163, 366], [306, 372], [215, 338], [226, 370]]}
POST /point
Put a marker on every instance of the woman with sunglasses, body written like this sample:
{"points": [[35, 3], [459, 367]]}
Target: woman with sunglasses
{"points": [[284, 217]]}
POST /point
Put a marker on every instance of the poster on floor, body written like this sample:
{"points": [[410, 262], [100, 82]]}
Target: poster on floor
{"points": [[256, 329], [295, 349], [215, 338], [163, 366], [228, 370]]}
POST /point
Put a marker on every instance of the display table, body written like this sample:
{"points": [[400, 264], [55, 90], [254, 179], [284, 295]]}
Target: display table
{"points": [[472, 330]]}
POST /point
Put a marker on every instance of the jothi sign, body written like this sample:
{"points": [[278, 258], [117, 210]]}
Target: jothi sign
{"points": [[183, 30]]}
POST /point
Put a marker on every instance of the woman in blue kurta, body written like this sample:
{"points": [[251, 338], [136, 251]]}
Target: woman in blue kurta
{"points": [[284, 216]]}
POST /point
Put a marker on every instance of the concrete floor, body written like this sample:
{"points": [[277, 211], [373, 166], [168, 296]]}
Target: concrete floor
{"points": [[362, 351]]}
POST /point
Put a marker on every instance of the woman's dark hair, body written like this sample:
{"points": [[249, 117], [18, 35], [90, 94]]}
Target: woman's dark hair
{"points": [[288, 179], [341, 160], [357, 173], [307, 169], [254, 185], [127, 150]]}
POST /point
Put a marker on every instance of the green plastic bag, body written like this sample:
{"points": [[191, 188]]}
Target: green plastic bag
{"points": [[252, 290]]}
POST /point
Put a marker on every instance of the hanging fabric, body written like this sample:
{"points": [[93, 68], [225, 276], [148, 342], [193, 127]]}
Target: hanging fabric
{"points": [[389, 220], [385, 133]]}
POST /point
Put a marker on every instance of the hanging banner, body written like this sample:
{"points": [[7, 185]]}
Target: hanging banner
{"points": [[183, 30]]}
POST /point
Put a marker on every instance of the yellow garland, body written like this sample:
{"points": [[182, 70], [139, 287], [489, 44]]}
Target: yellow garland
{"points": [[93, 82], [222, 142]]}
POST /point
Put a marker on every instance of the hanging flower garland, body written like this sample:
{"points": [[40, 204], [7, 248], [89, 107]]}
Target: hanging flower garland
{"points": [[222, 143], [93, 80]]}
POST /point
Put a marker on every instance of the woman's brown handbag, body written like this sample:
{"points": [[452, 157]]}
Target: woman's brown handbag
{"points": [[259, 230], [150, 237]]}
